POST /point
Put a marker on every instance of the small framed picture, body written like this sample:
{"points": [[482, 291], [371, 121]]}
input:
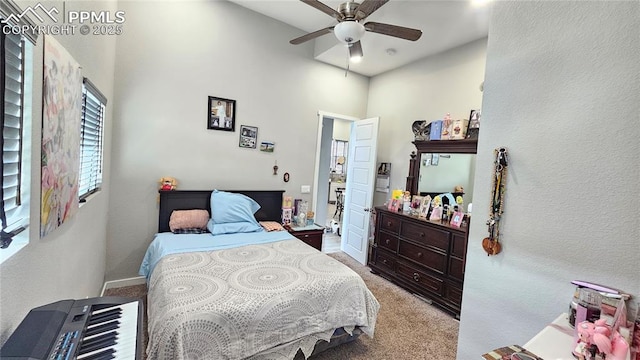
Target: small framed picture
{"points": [[222, 114], [248, 136], [267, 146], [456, 218], [416, 202], [394, 205], [287, 216], [473, 129], [435, 159], [424, 206]]}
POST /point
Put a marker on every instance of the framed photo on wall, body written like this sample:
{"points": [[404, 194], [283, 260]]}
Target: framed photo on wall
{"points": [[221, 114], [248, 136]]}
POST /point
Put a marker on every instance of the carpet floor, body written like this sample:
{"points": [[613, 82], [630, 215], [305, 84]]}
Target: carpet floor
{"points": [[407, 327]]}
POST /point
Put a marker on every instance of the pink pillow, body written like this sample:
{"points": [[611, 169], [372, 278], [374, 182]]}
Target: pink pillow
{"points": [[271, 225], [188, 219]]}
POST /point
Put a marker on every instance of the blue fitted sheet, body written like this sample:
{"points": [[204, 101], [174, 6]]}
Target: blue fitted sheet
{"points": [[168, 243]]}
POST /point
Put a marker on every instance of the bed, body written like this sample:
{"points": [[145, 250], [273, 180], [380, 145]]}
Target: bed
{"points": [[228, 294]]}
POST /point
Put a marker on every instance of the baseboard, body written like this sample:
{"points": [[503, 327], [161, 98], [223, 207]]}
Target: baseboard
{"points": [[138, 280]]}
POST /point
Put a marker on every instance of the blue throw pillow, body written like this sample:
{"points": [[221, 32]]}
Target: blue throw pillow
{"points": [[235, 227], [232, 208]]}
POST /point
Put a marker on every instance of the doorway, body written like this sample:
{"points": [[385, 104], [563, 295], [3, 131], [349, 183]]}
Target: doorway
{"points": [[331, 175]]}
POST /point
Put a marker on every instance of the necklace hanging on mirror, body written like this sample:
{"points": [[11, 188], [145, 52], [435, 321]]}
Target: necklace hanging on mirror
{"points": [[491, 244]]}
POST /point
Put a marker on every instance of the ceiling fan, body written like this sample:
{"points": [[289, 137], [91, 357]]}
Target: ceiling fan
{"points": [[350, 30]]}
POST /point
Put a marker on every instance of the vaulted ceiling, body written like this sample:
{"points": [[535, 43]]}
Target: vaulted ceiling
{"points": [[445, 24]]}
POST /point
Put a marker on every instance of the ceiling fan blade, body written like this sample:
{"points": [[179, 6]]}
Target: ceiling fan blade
{"points": [[394, 30], [355, 49], [309, 36], [324, 8], [368, 7]]}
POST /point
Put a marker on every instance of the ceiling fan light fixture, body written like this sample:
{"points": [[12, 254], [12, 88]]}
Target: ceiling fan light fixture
{"points": [[349, 31]]}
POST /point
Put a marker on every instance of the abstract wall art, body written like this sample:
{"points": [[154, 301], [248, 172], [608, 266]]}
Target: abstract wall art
{"points": [[61, 116]]}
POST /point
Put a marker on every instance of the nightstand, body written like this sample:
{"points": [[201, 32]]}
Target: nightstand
{"points": [[310, 234]]}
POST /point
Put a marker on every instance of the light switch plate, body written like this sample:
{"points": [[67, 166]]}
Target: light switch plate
{"points": [[305, 189]]}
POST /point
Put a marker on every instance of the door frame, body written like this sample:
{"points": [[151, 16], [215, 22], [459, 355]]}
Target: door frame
{"points": [[316, 171]]}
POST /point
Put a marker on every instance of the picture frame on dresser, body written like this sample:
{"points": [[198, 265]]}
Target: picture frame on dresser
{"points": [[425, 206], [394, 205], [456, 218], [221, 114]]}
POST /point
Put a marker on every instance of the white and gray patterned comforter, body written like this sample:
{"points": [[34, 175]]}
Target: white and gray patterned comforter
{"points": [[261, 301]]}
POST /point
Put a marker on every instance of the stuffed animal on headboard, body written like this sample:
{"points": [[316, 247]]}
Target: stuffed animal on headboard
{"points": [[168, 183]]}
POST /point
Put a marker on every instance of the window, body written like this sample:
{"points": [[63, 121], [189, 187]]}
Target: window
{"points": [[93, 106], [338, 156], [15, 75]]}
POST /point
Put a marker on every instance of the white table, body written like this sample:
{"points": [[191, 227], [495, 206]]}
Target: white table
{"points": [[555, 341]]}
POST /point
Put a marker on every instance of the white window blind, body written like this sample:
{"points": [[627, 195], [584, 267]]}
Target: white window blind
{"points": [[12, 76], [91, 142], [16, 77], [12, 123]]}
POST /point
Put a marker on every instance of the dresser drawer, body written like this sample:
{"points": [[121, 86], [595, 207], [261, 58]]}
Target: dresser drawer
{"points": [[456, 269], [312, 237], [453, 295], [434, 260], [426, 235], [387, 241], [389, 223], [418, 277], [459, 245], [385, 261]]}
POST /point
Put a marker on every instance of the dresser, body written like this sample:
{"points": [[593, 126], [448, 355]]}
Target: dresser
{"points": [[424, 257]]}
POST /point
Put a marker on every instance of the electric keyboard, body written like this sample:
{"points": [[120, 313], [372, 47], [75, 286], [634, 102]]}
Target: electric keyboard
{"points": [[98, 328]]}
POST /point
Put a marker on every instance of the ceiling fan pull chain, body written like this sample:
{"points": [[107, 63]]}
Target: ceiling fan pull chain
{"points": [[346, 71]]}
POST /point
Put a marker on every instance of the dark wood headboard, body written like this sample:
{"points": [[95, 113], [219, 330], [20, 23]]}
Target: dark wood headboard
{"points": [[270, 203]]}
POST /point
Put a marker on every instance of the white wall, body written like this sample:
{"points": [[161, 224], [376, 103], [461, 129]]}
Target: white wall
{"points": [[424, 90], [170, 58], [68, 263], [562, 94]]}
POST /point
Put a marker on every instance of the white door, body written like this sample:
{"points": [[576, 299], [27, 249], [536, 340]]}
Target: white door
{"points": [[361, 166]]}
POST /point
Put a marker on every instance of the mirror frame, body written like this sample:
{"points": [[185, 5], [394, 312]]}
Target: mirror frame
{"points": [[467, 146]]}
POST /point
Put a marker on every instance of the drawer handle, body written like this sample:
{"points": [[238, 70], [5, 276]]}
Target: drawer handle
{"points": [[421, 234], [307, 235], [387, 241], [385, 261], [419, 254], [389, 223], [416, 277]]}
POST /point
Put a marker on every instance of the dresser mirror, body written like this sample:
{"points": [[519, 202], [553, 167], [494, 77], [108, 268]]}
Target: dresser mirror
{"points": [[440, 173], [438, 166]]}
